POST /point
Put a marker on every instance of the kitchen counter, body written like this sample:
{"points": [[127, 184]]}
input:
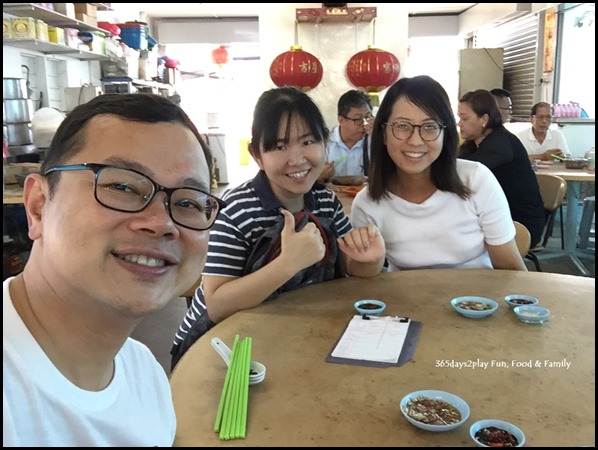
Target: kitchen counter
{"points": [[581, 120], [13, 194]]}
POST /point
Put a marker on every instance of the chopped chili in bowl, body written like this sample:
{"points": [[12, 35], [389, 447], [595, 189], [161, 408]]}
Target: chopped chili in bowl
{"points": [[369, 306], [521, 301], [496, 437]]}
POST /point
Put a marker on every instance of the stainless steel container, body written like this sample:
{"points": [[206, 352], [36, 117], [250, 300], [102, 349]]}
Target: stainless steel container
{"points": [[20, 150], [14, 88], [18, 110], [19, 133]]}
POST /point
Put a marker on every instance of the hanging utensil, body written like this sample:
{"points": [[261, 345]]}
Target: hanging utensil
{"points": [[29, 90]]}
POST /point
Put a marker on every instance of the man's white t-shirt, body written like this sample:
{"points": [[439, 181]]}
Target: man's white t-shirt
{"points": [[41, 408]]}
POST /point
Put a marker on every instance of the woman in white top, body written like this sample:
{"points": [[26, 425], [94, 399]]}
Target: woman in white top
{"points": [[433, 210]]}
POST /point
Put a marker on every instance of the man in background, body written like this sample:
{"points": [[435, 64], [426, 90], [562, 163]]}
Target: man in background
{"points": [[347, 152], [504, 102], [540, 141], [119, 217]]}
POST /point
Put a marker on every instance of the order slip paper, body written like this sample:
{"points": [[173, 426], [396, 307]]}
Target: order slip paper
{"points": [[377, 338]]}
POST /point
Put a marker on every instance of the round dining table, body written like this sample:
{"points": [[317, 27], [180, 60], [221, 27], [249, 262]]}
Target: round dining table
{"points": [[540, 377]]}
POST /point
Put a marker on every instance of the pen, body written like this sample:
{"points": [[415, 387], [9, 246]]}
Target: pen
{"points": [[395, 318]]}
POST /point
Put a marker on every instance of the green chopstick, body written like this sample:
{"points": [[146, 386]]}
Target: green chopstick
{"points": [[245, 386], [229, 406], [237, 416], [231, 418], [233, 412], [227, 383]]}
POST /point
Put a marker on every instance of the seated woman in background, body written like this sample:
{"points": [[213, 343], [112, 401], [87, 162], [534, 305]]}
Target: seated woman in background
{"points": [[539, 140], [486, 140], [281, 230], [433, 210]]}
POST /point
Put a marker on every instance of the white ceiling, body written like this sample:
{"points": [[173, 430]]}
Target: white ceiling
{"points": [[160, 10]]}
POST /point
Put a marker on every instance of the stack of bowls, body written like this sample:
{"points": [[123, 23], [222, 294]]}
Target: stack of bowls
{"points": [[18, 111]]}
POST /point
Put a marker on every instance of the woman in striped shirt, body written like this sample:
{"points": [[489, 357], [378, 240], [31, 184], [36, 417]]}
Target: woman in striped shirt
{"points": [[281, 230]]}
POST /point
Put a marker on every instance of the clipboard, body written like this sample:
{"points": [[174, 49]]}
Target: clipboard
{"points": [[406, 353]]}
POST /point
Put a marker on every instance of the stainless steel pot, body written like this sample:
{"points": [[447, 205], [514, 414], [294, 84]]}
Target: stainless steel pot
{"points": [[14, 88], [20, 150], [18, 111], [19, 133]]}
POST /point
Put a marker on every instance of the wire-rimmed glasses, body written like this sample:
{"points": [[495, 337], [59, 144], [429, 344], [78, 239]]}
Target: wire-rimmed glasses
{"points": [[428, 131], [359, 120], [128, 190]]}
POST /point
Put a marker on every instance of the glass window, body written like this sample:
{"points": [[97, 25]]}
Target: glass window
{"points": [[576, 56]]}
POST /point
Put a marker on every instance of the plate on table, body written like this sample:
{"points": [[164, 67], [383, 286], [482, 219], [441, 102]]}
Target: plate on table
{"points": [[356, 180], [543, 165], [352, 190]]}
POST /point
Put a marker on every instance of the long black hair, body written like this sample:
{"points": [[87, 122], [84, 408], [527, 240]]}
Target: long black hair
{"points": [[428, 95], [284, 103]]}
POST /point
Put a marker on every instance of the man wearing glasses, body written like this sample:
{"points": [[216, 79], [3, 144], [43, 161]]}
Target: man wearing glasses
{"points": [[119, 217], [540, 141], [504, 102], [347, 152]]}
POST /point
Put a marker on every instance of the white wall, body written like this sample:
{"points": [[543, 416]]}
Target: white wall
{"points": [[426, 26], [332, 43], [11, 62], [580, 137], [483, 14]]}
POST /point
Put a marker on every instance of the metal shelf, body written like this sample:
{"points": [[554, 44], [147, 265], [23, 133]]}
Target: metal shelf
{"points": [[336, 14], [127, 85], [52, 18], [102, 6], [50, 48]]}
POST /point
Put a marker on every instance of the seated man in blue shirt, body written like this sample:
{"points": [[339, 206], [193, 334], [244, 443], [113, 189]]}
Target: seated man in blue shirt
{"points": [[347, 152]]}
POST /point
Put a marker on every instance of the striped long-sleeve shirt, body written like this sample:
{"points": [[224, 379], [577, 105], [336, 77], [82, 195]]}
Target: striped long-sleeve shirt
{"points": [[252, 209]]}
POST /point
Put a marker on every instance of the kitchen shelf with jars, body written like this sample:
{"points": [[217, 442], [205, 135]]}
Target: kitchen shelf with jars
{"points": [[50, 48], [52, 18], [31, 38]]}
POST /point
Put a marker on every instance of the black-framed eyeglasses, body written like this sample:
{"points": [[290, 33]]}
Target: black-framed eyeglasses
{"points": [[404, 130], [359, 120], [128, 190]]}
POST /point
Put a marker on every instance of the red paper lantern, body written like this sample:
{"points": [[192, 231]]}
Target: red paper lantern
{"points": [[220, 55], [296, 68], [373, 70]]}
